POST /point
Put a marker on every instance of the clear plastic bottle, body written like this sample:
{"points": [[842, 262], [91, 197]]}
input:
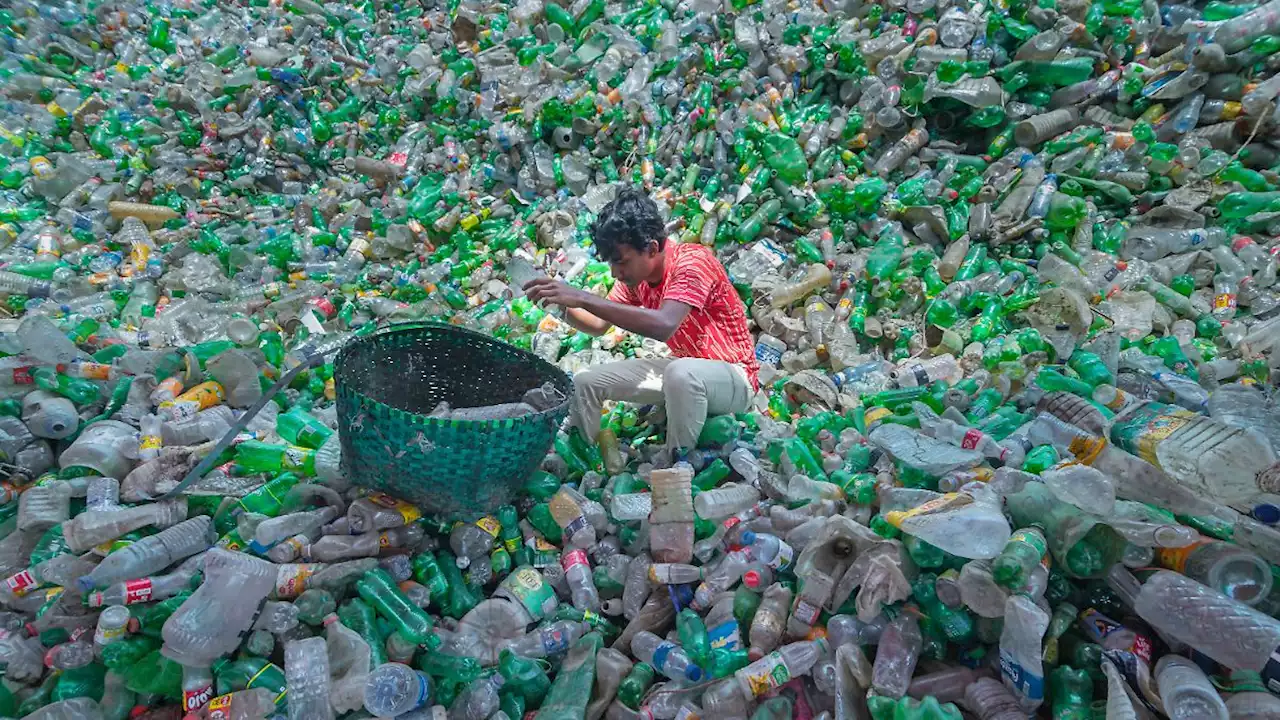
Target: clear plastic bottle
{"points": [[769, 621], [479, 700], [1185, 691], [152, 553], [208, 625], [306, 667], [94, 527], [666, 657], [896, 657], [582, 587], [1228, 631], [394, 689], [567, 509], [349, 660], [1021, 667]]}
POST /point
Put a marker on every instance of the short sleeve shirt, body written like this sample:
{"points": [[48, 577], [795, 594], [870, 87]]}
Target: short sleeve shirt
{"points": [[716, 327]]}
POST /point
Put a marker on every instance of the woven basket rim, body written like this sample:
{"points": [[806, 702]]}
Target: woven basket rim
{"points": [[553, 414]]}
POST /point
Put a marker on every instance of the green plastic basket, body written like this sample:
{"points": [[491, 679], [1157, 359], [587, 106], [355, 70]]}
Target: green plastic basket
{"points": [[387, 381]]}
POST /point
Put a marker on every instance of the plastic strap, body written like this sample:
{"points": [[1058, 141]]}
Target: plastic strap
{"points": [[207, 463]]}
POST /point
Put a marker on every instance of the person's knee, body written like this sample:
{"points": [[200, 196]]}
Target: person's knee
{"points": [[681, 377], [593, 382]]}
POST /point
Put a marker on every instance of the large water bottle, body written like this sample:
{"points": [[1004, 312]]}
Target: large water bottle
{"points": [[153, 553], [209, 624], [306, 667], [1228, 631]]}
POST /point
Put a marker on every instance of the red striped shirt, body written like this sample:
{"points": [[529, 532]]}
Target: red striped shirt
{"points": [[716, 327]]}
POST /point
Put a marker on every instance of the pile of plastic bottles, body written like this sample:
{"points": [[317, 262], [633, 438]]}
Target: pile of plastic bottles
{"points": [[1011, 266]]}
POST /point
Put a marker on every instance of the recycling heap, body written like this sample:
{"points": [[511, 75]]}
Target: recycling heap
{"points": [[1011, 269]]}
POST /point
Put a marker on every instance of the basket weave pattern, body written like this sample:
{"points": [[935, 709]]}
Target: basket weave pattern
{"points": [[386, 382]]}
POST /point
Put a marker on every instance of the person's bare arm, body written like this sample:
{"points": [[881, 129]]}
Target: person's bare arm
{"points": [[658, 324], [586, 322]]}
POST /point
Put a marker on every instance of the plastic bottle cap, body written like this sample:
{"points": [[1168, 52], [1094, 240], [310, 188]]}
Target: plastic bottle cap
{"points": [[1266, 513], [751, 579], [748, 537], [693, 673]]}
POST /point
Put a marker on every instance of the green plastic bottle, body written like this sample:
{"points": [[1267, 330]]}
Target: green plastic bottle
{"points": [[1071, 692], [632, 688], [255, 456], [1083, 556], [383, 594], [301, 428], [1025, 550]]}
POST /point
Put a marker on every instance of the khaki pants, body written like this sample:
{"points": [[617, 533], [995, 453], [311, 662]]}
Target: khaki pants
{"points": [[690, 388]]}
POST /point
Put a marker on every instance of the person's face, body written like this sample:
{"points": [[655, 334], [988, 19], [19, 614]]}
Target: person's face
{"points": [[632, 267]]}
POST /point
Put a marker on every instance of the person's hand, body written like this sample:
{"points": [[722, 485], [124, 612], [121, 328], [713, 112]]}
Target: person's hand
{"points": [[554, 291]]}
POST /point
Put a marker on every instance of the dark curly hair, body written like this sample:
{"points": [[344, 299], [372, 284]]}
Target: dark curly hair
{"points": [[631, 219]]}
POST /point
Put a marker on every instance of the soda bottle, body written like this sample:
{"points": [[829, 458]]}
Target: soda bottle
{"points": [[378, 589], [1025, 550]]}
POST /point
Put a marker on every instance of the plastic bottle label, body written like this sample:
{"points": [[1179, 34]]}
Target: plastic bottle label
{"points": [[21, 583], [1176, 558], [408, 511], [1027, 684], [554, 641], [971, 438], [149, 442], [1147, 427], [1099, 627], [806, 612], [574, 526], [106, 635], [660, 654], [293, 457], [193, 700], [768, 355], [725, 636], [22, 376], [572, 558], [767, 673], [526, 585], [137, 591], [1224, 301], [489, 524], [291, 580], [786, 554]]}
